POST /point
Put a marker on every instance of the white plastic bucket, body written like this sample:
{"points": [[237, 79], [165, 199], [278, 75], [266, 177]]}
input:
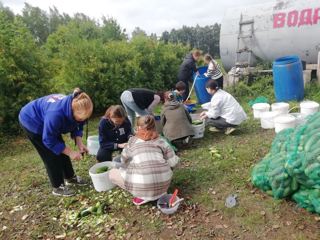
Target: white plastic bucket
{"points": [[259, 108], [199, 130], [195, 116], [300, 119], [267, 119], [280, 108], [309, 107], [283, 122], [93, 145], [101, 181]]}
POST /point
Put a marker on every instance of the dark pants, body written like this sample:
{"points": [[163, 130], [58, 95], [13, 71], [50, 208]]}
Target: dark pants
{"points": [[105, 155], [219, 123], [220, 82], [187, 91], [59, 167]]}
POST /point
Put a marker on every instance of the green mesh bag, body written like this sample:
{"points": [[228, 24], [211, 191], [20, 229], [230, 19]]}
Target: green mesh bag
{"points": [[259, 175], [282, 184], [308, 199], [259, 99], [293, 163]]}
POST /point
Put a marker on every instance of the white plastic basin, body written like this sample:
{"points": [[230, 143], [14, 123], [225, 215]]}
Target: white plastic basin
{"points": [[267, 119], [259, 108], [309, 107], [280, 108], [300, 118], [93, 145], [284, 121]]}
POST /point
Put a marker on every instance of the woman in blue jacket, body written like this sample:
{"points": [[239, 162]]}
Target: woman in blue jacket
{"points": [[114, 132], [45, 120]]}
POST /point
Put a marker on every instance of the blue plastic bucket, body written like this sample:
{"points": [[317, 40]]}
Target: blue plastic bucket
{"points": [[288, 79], [200, 86]]}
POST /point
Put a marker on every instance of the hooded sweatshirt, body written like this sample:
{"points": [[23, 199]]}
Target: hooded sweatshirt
{"points": [[187, 68], [176, 121], [51, 116]]}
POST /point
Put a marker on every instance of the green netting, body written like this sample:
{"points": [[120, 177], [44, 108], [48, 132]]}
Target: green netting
{"points": [[308, 199], [259, 99], [292, 163]]}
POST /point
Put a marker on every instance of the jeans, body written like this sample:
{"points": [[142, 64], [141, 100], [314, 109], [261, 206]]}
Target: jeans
{"points": [[59, 167], [219, 123], [131, 107]]}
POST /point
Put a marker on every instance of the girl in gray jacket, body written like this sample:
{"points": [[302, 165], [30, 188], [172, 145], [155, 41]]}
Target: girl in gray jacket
{"points": [[176, 121]]}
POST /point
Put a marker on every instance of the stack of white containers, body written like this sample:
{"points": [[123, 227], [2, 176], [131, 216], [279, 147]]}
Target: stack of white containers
{"points": [[279, 117]]}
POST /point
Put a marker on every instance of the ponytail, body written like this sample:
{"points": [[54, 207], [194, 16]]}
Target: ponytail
{"points": [[81, 104], [147, 123]]}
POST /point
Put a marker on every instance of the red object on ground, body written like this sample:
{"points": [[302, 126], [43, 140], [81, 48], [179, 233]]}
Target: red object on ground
{"points": [[173, 198]]}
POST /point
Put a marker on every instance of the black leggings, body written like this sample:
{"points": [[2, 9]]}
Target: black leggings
{"points": [[59, 167], [105, 155], [220, 82], [187, 91]]}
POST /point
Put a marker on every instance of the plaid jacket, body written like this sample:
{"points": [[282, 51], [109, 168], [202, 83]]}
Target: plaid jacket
{"points": [[147, 167]]}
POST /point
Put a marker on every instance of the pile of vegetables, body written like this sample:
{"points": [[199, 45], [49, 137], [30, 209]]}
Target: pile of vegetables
{"points": [[197, 122], [292, 167], [102, 169], [98, 210]]}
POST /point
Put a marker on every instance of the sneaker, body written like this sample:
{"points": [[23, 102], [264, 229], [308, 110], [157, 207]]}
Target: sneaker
{"points": [[214, 129], [186, 140], [63, 191], [76, 180], [139, 201], [229, 130]]}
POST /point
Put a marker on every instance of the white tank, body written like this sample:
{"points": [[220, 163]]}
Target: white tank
{"points": [[279, 28]]}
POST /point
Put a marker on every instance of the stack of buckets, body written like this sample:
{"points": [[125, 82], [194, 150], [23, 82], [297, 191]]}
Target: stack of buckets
{"points": [[279, 117]]}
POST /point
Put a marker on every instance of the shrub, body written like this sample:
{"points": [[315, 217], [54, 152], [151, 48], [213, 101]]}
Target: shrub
{"points": [[22, 71]]}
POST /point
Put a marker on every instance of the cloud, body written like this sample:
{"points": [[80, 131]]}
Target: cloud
{"points": [[154, 16]]}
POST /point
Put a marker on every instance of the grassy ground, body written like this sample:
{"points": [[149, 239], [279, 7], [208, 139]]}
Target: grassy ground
{"points": [[29, 211]]}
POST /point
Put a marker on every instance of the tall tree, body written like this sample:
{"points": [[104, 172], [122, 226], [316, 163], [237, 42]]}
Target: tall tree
{"points": [[56, 19], [205, 38], [138, 32], [37, 22], [111, 30]]}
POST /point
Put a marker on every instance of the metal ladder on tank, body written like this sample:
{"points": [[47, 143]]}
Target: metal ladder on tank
{"points": [[244, 49]]}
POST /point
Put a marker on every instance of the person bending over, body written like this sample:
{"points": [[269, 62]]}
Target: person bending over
{"points": [[45, 120], [176, 121], [140, 101], [187, 69], [178, 93]]}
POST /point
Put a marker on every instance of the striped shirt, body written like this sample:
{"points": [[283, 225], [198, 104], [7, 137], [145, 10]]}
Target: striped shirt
{"points": [[147, 167], [214, 70]]}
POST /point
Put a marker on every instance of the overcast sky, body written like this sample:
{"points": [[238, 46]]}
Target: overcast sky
{"points": [[154, 16]]}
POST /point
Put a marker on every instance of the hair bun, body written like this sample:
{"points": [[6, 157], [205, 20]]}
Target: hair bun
{"points": [[76, 92]]}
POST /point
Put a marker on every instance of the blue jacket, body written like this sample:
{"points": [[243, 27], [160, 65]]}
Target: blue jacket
{"points": [[110, 135], [51, 116]]}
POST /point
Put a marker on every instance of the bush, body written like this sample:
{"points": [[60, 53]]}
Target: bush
{"points": [[105, 69], [80, 53], [22, 71]]}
